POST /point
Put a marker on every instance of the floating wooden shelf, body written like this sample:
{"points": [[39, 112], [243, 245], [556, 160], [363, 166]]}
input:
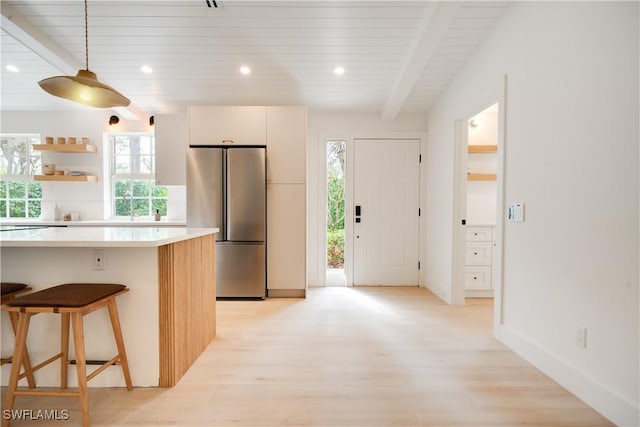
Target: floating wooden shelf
{"points": [[67, 178], [66, 148], [481, 177], [482, 148]]}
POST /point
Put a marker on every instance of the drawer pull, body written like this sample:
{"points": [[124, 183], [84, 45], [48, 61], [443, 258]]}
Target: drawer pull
{"points": [[475, 277], [475, 234], [475, 253], [227, 141]]}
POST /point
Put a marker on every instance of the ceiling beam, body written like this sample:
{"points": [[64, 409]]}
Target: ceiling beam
{"points": [[435, 24], [18, 27]]}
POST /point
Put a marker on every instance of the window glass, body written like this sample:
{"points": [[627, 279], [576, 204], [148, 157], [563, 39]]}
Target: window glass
{"points": [[133, 177], [20, 197]]}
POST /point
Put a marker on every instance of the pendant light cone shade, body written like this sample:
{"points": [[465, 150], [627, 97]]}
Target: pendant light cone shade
{"points": [[84, 88]]}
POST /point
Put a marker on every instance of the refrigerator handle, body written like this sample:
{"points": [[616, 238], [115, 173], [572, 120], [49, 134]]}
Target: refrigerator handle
{"points": [[224, 229]]}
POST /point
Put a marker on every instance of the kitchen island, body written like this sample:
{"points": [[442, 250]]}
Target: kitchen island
{"points": [[168, 317]]}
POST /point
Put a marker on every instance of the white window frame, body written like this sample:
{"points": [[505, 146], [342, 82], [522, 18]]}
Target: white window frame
{"points": [[115, 176]]}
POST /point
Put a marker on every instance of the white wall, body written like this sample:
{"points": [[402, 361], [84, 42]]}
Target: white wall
{"points": [[571, 155], [347, 126], [88, 199]]}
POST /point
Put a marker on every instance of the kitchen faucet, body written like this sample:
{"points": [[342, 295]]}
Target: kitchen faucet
{"points": [[124, 199]]}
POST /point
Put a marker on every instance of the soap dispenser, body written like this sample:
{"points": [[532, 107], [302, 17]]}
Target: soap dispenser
{"points": [[157, 215]]}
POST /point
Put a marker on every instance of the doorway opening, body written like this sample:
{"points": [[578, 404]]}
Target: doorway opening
{"points": [[481, 202], [479, 197], [335, 216]]}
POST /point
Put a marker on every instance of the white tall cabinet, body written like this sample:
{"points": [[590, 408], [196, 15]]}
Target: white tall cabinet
{"points": [[283, 129], [286, 201]]}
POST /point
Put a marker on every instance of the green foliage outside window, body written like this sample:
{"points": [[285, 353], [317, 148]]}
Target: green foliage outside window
{"points": [[140, 194], [19, 197], [133, 177], [336, 155]]}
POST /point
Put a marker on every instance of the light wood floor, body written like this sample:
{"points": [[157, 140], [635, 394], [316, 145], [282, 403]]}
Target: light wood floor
{"points": [[345, 357]]}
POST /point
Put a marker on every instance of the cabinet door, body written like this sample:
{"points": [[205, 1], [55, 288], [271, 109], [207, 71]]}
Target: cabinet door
{"points": [[213, 125], [286, 144], [171, 146], [286, 236]]}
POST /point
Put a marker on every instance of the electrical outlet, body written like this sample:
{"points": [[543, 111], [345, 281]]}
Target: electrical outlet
{"points": [[581, 337], [99, 259]]}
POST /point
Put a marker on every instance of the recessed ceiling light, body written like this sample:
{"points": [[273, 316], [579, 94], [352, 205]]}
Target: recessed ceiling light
{"points": [[245, 70], [338, 71], [13, 68], [146, 69]]}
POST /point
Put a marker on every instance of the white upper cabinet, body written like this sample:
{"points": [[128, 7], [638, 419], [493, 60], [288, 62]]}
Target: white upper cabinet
{"points": [[218, 125], [286, 145], [172, 140]]}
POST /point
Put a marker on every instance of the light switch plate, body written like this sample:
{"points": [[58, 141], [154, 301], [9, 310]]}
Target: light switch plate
{"points": [[515, 212]]}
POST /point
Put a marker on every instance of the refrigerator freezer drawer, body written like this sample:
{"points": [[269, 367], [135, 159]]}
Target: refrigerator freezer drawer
{"points": [[240, 270]]}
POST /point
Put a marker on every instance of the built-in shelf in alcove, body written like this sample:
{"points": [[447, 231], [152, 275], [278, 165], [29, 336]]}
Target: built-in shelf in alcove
{"points": [[482, 148], [481, 177]]}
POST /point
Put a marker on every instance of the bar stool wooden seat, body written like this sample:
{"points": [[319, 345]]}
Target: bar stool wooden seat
{"points": [[72, 301], [11, 290]]}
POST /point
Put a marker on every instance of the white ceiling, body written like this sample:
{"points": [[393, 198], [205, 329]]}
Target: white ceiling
{"points": [[398, 55]]}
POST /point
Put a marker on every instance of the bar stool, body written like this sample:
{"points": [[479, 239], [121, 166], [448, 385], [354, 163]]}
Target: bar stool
{"points": [[72, 301], [9, 292]]}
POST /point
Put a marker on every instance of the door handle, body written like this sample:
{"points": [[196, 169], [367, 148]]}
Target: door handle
{"points": [[358, 210]]}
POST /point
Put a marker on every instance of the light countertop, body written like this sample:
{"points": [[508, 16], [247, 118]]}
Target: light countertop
{"points": [[100, 236], [137, 222]]}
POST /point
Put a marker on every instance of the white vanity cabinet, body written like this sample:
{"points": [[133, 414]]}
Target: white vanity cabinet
{"points": [[172, 140], [478, 249], [221, 125]]}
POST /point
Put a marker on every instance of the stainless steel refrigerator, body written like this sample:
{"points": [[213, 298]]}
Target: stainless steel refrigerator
{"points": [[226, 188]]}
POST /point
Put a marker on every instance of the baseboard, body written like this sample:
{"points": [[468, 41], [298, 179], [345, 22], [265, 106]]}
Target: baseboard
{"points": [[607, 402], [437, 292], [286, 293], [472, 293]]}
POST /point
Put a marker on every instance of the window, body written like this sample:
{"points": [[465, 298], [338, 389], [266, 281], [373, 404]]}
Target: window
{"points": [[20, 197], [336, 155], [133, 176]]}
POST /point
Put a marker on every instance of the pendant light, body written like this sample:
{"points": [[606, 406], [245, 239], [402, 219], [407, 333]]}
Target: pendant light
{"points": [[84, 87]]}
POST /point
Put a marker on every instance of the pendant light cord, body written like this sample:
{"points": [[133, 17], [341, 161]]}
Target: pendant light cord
{"points": [[86, 37]]}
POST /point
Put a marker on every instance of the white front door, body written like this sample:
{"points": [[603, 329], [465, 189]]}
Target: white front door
{"points": [[386, 190]]}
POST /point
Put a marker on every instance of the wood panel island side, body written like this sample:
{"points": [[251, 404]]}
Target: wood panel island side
{"points": [[168, 317]]}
